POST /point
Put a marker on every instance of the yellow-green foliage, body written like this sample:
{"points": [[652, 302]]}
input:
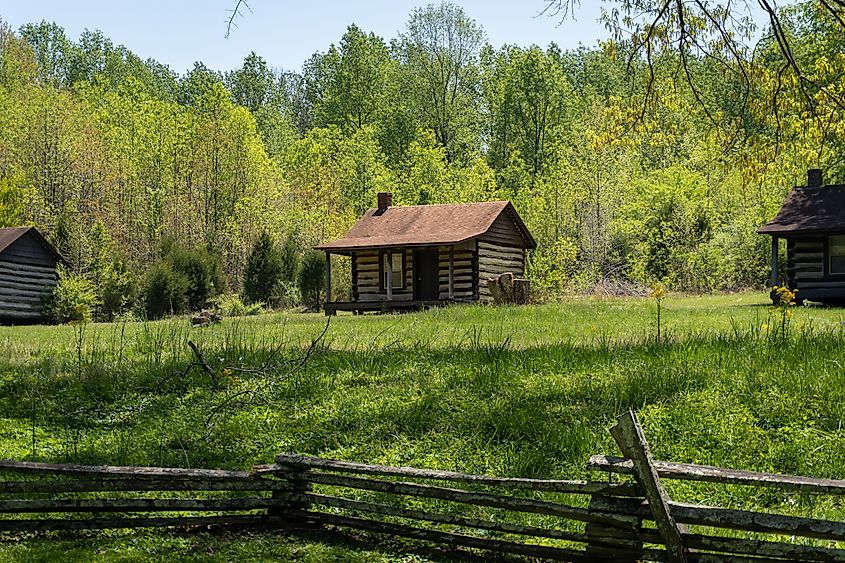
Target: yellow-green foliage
{"points": [[74, 298], [612, 183]]}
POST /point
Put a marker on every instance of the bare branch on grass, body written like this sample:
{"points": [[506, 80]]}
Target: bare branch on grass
{"points": [[269, 374]]}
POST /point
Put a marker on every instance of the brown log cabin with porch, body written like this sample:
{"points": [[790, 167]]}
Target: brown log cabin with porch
{"points": [[812, 221], [418, 256]]}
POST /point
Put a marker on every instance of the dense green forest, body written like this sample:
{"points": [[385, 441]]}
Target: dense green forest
{"points": [[622, 170]]}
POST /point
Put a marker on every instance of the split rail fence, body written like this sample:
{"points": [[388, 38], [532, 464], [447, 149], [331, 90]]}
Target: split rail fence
{"points": [[615, 521]]}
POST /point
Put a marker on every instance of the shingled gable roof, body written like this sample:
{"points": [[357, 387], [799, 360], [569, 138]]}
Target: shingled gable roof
{"points": [[810, 209], [426, 225], [8, 236]]}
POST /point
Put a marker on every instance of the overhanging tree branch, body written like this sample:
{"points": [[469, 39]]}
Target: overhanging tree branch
{"points": [[698, 28], [235, 13]]}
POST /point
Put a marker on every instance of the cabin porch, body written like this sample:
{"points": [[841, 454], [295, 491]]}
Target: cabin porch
{"points": [[360, 307], [407, 278]]}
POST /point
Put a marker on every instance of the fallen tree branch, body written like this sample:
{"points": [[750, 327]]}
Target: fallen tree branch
{"points": [[201, 362]]}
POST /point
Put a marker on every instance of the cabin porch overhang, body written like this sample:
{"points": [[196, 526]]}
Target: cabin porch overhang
{"points": [[417, 292]]}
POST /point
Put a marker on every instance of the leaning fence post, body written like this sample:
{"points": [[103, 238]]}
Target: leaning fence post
{"points": [[631, 440]]}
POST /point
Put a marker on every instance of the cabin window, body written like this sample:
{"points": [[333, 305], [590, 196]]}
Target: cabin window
{"points": [[397, 260], [836, 251]]}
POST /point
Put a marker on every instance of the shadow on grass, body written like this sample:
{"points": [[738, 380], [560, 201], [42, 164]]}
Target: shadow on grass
{"points": [[225, 543], [395, 547], [534, 412]]}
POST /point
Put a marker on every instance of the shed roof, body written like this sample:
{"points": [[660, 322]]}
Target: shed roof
{"points": [[8, 236], [810, 209], [426, 225]]}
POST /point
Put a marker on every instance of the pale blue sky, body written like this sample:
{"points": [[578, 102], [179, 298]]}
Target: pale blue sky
{"points": [[177, 33]]}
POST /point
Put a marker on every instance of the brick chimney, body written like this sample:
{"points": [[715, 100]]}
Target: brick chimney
{"points": [[385, 200], [814, 178]]}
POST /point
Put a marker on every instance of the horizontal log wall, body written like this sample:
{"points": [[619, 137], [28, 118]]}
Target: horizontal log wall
{"points": [[24, 288], [463, 272], [366, 284], [805, 261], [807, 269], [495, 259]]}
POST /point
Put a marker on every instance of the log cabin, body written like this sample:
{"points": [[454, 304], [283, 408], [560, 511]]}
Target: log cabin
{"points": [[418, 256], [812, 221], [27, 275]]}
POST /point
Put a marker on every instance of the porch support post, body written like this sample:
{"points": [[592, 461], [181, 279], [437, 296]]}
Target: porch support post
{"points": [[389, 284], [328, 277], [775, 274], [452, 272]]}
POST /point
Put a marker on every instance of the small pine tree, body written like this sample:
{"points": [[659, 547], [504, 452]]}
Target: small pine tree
{"points": [[311, 277], [165, 291], [290, 260], [202, 272], [184, 279], [264, 269]]}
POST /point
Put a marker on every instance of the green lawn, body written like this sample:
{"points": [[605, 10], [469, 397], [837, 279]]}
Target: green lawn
{"points": [[522, 391]]}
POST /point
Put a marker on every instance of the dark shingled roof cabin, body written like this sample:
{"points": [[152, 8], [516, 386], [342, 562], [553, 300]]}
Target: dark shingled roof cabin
{"points": [[415, 256], [27, 274], [812, 221]]}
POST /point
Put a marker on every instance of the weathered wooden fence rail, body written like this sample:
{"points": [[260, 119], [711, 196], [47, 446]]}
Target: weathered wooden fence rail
{"points": [[346, 475], [582, 520], [192, 497], [612, 520]]}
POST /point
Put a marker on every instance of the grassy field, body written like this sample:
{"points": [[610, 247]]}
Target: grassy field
{"points": [[527, 391]]}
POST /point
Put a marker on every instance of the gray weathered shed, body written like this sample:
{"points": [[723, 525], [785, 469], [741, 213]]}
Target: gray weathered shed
{"points": [[812, 221], [27, 274]]}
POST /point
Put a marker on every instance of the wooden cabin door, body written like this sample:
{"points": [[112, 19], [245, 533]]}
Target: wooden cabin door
{"points": [[427, 275]]}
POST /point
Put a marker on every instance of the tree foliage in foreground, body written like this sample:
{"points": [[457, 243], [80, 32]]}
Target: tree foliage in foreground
{"points": [[723, 33]]}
